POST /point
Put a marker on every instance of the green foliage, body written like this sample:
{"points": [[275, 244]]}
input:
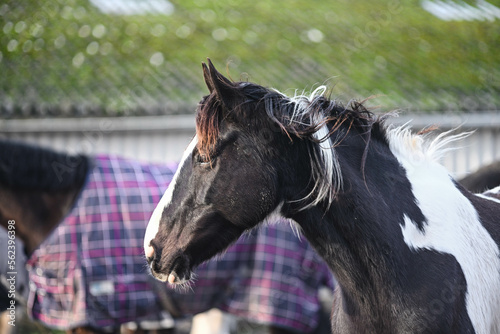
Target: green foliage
{"points": [[67, 52]]}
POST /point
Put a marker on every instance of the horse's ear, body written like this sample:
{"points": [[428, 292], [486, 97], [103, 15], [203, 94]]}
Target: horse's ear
{"points": [[223, 88], [206, 75]]}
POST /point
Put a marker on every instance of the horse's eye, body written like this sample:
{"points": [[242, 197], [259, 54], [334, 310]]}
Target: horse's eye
{"points": [[203, 160]]}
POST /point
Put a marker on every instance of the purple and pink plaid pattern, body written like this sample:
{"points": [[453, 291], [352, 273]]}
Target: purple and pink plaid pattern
{"points": [[269, 276], [91, 270]]}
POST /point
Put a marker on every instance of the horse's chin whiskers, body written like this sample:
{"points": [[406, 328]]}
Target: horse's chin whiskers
{"points": [[184, 285]]}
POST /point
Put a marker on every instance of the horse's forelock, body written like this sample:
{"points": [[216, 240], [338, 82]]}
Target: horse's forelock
{"points": [[211, 109], [207, 124]]}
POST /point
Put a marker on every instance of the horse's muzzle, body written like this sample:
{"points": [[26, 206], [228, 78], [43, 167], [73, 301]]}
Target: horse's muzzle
{"points": [[178, 272]]}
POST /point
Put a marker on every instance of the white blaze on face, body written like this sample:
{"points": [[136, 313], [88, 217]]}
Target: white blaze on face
{"points": [[154, 221]]}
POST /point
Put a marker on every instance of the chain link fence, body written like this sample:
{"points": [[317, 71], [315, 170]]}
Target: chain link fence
{"points": [[142, 57]]}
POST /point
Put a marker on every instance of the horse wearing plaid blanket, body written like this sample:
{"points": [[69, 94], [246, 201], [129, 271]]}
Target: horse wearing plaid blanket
{"points": [[412, 250], [86, 266]]}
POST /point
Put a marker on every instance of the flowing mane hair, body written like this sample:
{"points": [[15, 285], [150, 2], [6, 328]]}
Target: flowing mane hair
{"points": [[313, 117]]}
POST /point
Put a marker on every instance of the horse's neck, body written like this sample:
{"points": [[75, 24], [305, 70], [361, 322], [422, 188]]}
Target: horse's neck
{"points": [[35, 213], [360, 232]]}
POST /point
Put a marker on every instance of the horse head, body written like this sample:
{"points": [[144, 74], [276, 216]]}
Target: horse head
{"points": [[226, 183]]}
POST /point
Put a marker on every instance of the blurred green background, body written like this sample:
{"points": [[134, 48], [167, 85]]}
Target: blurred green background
{"points": [[126, 57]]}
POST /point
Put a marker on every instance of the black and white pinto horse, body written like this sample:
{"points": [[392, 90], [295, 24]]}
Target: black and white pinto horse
{"points": [[413, 251]]}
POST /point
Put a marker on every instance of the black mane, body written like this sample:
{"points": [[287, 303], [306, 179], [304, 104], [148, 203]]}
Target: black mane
{"points": [[23, 166], [281, 109], [318, 110]]}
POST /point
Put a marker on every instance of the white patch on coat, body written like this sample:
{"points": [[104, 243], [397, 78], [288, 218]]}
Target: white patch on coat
{"points": [[453, 225], [154, 221]]}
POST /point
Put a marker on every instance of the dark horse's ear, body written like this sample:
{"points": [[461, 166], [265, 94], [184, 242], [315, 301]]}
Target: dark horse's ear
{"points": [[223, 88]]}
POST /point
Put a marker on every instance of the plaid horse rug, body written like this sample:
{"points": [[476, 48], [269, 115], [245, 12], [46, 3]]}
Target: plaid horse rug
{"points": [[91, 270]]}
